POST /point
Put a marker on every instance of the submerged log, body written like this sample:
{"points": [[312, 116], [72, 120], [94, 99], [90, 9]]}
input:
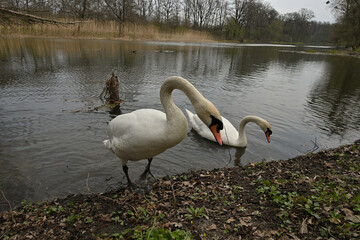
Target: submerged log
{"points": [[111, 91], [109, 96]]}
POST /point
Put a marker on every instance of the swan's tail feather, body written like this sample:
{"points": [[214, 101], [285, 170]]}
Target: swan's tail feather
{"points": [[190, 114], [108, 144], [192, 119]]}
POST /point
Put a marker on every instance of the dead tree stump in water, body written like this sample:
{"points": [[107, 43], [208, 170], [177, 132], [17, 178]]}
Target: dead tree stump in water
{"points": [[112, 90]]}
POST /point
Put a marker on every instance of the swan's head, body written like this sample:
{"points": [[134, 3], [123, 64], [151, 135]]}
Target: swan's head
{"points": [[209, 114], [262, 123], [265, 126]]}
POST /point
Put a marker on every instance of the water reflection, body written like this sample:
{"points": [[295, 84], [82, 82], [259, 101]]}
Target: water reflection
{"points": [[334, 99], [11, 181], [233, 155], [238, 154]]}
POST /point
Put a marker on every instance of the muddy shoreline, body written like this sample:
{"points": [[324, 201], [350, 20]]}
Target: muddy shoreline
{"points": [[314, 196]]}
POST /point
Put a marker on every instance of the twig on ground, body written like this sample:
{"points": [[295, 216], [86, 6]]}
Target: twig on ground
{"points": [[173, 192], [316, 147], [8, 202]]}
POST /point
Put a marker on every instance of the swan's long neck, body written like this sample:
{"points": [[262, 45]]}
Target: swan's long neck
{"points": [[171, 110], [242, 134]]}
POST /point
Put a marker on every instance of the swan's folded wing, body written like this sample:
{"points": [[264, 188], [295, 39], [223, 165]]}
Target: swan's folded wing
{"points": [[138, 135], [229, 134], [199, 126]]}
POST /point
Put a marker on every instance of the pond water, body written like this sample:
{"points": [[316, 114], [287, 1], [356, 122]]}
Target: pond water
{"points": [[50, 141]]}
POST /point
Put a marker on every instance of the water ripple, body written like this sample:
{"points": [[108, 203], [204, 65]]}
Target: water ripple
{"points": [[49, 145]]}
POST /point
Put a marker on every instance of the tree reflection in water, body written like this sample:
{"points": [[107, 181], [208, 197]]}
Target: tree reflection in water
{"points": [[333, 102]]}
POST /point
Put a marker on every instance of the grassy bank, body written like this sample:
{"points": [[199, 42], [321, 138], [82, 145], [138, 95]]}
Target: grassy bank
{"points": [[315, 196], [108, 30], [336, 52]]}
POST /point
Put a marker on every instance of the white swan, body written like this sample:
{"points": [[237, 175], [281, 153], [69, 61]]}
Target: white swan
{"points": [[229, 134], [145, 133]]}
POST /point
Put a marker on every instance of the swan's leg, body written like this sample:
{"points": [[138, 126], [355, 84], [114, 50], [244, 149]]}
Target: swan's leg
{"points": [[148, 167], [125, 169], [147, 170]]}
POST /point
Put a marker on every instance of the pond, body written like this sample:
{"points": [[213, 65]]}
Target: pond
{"points": [[50, 140]]}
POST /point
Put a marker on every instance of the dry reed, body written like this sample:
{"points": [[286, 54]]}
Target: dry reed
{"points": [[107, 30]]}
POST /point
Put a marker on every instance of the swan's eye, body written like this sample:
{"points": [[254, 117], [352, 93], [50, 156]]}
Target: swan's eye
{"points": [[215, 121]]}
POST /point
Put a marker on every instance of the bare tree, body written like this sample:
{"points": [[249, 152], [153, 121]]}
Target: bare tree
{"points": [[168, 9], [157, 11], [187, 8], [239, 9], [222, 12], [121, 9], [144, 8], [202, 10]]}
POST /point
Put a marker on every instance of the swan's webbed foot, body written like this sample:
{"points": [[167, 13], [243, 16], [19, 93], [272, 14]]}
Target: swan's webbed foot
{"points": [[144, 184], [144, 176], [132, 187], [141, 188]]}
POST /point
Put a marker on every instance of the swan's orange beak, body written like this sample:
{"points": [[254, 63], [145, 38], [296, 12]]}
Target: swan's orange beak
{"points": [[268, 133], [216, 134]]}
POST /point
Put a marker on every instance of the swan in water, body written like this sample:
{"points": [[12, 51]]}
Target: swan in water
{"points": [[145, 133], [229, 134]]}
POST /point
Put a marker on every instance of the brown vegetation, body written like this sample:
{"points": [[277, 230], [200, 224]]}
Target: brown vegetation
{"points": [[107, 30]]}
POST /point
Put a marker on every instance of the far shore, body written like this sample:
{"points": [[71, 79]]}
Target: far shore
{"points": [[189, 38], [129, 32]]}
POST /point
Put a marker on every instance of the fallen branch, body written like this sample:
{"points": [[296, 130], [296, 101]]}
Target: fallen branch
{"points": [[312, 150], [11, 211], [11, 17], [316, 147]]}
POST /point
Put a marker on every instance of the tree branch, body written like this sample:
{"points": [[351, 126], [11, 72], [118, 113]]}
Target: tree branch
{"points": [[11, 211], [10, 17]]}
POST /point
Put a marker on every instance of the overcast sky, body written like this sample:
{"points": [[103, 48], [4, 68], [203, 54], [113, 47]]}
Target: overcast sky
{"points": [[321, 10]]}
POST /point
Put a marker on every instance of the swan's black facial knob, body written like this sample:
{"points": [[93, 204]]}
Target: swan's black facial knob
{"points": [[216, 126], [268, 133], [215, 121]]}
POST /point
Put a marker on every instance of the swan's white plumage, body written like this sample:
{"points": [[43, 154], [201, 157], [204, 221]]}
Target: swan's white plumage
{"points": [[142, 134], [145, 133], [230, 135]]}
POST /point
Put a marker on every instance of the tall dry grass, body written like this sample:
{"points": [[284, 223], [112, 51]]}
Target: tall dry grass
{"points": [[108, 30]]}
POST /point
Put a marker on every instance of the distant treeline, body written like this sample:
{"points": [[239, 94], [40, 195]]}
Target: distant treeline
{"points": [[238, 20]]}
